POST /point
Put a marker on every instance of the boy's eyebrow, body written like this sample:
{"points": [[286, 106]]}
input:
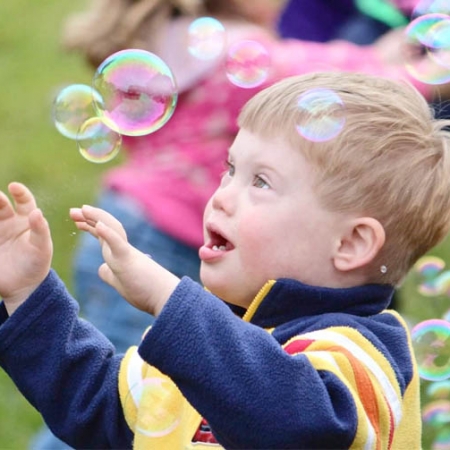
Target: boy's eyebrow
{"points": [[270, 169]]}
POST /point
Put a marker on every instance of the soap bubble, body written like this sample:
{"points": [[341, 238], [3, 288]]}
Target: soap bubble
{"points": [[321, 114], [424, 7], [138, 90], [157, 416], [247, 64], [206, 38], [427, 49], [427, 269], [431, 343], [97, 142], [72, 107], [436, 413]]}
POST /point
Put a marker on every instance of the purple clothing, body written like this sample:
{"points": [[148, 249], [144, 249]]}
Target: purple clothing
{"points": [[325, 20], [314, 20]]}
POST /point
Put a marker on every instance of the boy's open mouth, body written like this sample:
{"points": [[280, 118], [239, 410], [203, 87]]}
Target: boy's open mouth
{"points": [[218, 243]]}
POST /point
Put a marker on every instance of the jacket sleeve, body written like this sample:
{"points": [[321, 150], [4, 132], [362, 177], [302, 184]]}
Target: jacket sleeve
{"points": [[65, 368], [253, 393]]}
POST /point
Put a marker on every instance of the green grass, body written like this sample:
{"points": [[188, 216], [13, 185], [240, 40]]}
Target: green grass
{"points": [[33, 69]]}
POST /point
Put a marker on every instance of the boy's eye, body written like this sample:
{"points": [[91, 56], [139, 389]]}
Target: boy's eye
{"points": [[229, 168], [260, 183]]}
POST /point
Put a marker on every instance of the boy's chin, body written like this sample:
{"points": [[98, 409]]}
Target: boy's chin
{"points": [[219, 284], [227, 296]]}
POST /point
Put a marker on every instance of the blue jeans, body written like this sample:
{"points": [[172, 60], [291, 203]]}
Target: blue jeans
{"points": [[101, 304]]}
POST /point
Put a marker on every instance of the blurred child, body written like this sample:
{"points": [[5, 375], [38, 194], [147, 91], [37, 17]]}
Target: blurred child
{"points": [[290, 345]]}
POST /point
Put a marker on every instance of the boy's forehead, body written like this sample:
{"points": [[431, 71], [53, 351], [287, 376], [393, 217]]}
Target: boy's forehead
{"points": [[257, 143]]}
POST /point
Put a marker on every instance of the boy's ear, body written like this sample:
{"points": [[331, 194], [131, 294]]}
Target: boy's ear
{"points": [[360, 245]]}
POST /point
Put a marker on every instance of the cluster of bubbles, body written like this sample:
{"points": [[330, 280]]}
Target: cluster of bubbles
{"points": [[436, 413], [426, 52], [321, 112], [431, 338], [431, 344], [247, 62], [133, 93], [427, 42]]}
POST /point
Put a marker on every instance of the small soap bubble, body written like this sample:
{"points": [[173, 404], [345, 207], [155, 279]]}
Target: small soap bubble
{"points": [[206, 38], [247, 64], [156, 416], [436, 413], [97, 142], [439, 390], [321, 115], [429, 266], [431, 344], [72, 107], [427, 270], [138, 90], [427, 49]]}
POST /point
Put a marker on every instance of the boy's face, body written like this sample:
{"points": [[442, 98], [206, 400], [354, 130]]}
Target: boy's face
{"points": [[265, 222]]}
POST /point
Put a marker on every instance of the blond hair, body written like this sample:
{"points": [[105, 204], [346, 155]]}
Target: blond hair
{"points": [[107, 26], [391, 160]]}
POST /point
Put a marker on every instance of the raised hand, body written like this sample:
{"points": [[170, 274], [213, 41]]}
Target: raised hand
{"points": [[25, 246], [139, 279]]}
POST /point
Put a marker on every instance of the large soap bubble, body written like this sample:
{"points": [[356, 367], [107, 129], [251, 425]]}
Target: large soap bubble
{"points": [[138, 91]]}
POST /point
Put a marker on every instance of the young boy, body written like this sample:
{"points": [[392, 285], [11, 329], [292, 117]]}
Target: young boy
{"points": [[290, 345]]}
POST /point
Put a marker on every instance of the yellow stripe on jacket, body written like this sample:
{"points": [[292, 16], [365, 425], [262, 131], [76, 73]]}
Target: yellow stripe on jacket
{"points": [[384, 417], [154, 408]]}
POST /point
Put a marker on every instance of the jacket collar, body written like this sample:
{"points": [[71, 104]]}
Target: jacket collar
{"points": [[285, 299]]}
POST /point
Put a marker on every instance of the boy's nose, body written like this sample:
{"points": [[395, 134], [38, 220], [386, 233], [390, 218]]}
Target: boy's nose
{"points": [[224, 199]]}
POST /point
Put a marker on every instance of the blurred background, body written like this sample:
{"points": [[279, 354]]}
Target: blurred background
{"points": [[33, 69]]}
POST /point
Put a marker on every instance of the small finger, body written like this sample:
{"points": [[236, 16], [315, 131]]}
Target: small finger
{"points": [[6, 209], [76, 214], [40, 230], [83, 226], [93, 213], [118, 245], [23, 198], [99, 215]]}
